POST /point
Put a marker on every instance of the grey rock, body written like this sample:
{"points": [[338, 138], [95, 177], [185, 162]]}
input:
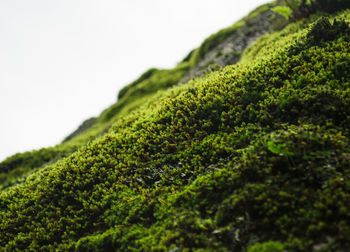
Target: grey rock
{"points": [[229, 51]]}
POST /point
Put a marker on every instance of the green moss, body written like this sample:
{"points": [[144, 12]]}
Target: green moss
{"points": [[15, 168], [284, 11], [267, 247], [332, 5], [252, 157], [271, 44], [323, 31], [146, 75], [136, 94]]}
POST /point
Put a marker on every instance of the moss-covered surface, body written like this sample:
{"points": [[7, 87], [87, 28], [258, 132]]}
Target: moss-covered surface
{"points": [[14, 168], [254, 157]]}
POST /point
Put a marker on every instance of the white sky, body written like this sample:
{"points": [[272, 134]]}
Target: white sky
{"points": [[63, 61]]}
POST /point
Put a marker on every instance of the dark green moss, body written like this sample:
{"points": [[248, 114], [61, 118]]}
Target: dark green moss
{"points": [[13, 168], [331, 5], [252, 157], [323, 30]]}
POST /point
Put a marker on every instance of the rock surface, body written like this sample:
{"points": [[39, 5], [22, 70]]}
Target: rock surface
{"points": [[229, 51]]}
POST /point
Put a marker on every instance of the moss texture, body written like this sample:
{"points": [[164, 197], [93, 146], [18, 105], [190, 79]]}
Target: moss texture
{"points": [[253, 157]]}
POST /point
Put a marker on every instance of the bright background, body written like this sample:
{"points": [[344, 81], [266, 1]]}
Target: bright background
{"points": [[63, 61]]}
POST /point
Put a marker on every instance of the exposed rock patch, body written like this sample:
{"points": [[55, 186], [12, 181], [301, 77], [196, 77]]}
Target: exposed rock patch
{"points": [[229, 51]]}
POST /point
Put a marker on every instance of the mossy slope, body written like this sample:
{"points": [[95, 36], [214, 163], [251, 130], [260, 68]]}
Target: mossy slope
{"points": [[17, 167], [253, 157]]}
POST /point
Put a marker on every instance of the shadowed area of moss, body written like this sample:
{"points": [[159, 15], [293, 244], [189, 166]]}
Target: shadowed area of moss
{"points": [[254, 157]]}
